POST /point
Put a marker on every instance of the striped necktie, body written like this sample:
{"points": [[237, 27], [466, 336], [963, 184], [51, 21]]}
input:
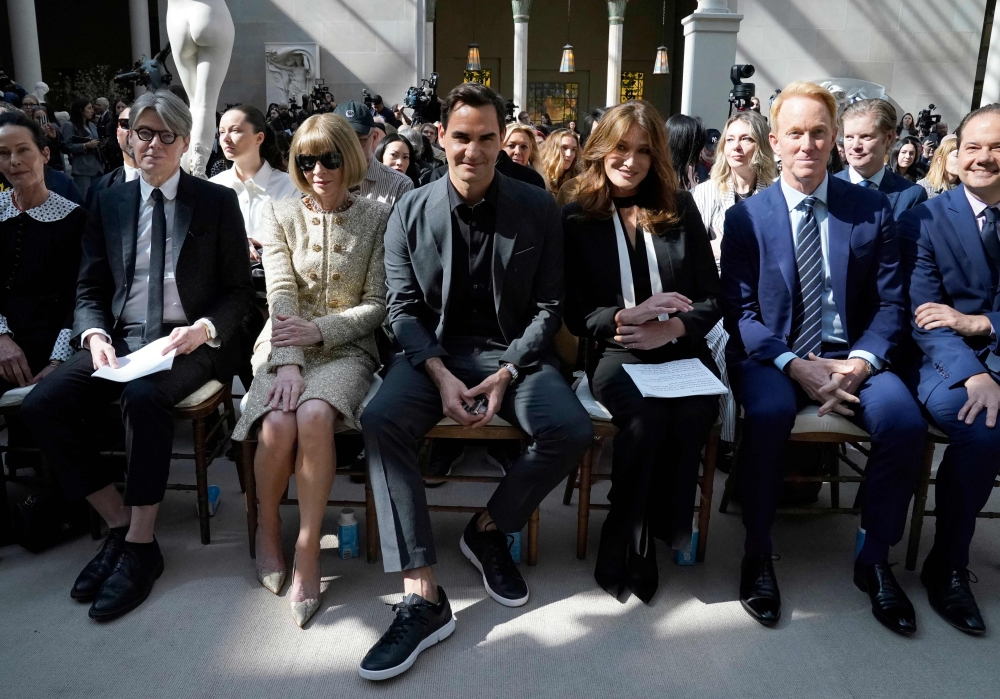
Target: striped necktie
{"points": [[807, 323]]}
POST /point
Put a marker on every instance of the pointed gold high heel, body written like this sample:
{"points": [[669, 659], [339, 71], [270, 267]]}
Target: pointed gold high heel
{"points": [[272, 580], [303, 611]]}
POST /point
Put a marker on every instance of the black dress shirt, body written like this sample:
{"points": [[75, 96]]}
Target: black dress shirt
{"points": [[473, 309]]}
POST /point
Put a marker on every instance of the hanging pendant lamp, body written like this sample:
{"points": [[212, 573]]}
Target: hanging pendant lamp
{"points": [[662, 64], [568, 62]]}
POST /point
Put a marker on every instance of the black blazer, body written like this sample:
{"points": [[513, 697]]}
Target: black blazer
{"points": [[527, 270], [685, 261], [209, 253]]}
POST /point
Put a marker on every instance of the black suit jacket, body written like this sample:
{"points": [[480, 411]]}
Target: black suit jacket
{"points": [[527, 270], [107, 181], [685, 262], [209, 252]]}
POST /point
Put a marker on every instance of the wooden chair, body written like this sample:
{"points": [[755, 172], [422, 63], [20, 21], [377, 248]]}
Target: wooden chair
{"points": [[585, 476], [934, 437]]}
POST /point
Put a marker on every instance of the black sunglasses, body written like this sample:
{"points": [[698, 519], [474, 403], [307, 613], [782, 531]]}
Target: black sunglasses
{"points": [[123, 124], [331, 161]]}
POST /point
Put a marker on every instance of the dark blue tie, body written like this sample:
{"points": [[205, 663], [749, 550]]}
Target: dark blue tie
{"points": [[807, 323], [868, 184], [157, 251], [991, 240]]}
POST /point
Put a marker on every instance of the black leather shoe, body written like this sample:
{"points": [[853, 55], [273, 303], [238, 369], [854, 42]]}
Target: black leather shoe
{"points": [[418, 626], [130, 583], [759, 592], [890, 605], [489, 552], [950, 596], [93, 575], [445, 453]]}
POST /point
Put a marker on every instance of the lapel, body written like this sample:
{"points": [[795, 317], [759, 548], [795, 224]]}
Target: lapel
{"points": [[508, 222], [438, 218], [967, 231], [776, 232], [840, 224], [183, 213], [128, 221]]}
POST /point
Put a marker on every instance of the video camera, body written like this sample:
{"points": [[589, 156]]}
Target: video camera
{"points": [[151, 73], [423, 100], [317, 97], [740, 95], [367, 97], [926, 120]]}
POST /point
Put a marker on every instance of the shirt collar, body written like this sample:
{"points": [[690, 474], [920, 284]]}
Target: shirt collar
{"points": [[978, 205], [875, 179], [131, 173], [261, 178], [793, 197], [168, 188], [372, 165], [455, 201]]}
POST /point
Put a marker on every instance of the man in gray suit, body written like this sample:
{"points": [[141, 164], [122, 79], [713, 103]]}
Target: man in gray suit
{"points": [[474, 268]]}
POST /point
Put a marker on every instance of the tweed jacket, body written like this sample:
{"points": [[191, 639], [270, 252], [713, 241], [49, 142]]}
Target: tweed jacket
{"points": [[713, 203], [324, 268]]}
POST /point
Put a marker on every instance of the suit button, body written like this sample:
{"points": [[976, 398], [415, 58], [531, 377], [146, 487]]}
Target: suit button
{"points": [[339, 220], [313, 276], [315, 221], [335, 276], [316, 248]]}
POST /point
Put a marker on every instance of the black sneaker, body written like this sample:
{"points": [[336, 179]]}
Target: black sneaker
{"points": [[93, 575], [489, 551], [445, 453], [418, 626]]}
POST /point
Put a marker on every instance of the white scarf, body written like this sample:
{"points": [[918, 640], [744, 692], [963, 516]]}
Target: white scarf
{"points": [[625, 267]]}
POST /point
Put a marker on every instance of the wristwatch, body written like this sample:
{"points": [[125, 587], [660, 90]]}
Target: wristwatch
{"points": [[871, 367], [514, 373]]}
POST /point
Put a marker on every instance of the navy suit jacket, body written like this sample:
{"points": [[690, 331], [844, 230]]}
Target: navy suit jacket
{"points": [[760, 278], [903, 194], [946, 262]]}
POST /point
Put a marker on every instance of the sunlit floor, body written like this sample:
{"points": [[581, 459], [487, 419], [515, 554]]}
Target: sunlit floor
{"points": [[210, 630]]}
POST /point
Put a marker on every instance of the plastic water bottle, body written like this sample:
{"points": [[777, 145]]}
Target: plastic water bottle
{"points": [[347, 534], [688, 557], [515, 547], [214, 495]]}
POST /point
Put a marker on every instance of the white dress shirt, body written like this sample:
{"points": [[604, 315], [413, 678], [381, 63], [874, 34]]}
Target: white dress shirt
{"points": [[131, 173], [875, 179], [266, 185], [833, 327]]}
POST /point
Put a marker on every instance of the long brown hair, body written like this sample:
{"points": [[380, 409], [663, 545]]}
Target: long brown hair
{"points": [[657, 191], [550, 160]]}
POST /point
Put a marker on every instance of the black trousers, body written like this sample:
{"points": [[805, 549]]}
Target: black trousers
{"points": [[657, 451], [408, 405], [57, 414]]}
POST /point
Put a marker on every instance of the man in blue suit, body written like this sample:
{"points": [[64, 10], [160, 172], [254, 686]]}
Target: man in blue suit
{"points": [[951, 250], [869, 131], [810, 270]]}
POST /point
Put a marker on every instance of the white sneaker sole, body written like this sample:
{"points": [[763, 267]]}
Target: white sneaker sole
{"points": [[479, 566], [434, 638]]}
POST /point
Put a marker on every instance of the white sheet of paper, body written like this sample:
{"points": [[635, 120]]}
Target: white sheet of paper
{"points": [[144, 362], [678, 379]]}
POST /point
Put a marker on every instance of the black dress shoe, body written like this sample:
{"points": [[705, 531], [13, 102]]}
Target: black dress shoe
{"points": [[643, 575], [612, 557], [445, 453], [489, 552], [890, 605], [418, 626], [130, 583], [759, 592], [950, 596], [93, 575]]}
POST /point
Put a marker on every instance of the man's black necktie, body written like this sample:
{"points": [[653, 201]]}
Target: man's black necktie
{"points": [[991, 241], [157, 250]]}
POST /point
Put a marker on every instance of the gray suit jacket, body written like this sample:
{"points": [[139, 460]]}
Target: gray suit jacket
{"points": [[528, 283]]}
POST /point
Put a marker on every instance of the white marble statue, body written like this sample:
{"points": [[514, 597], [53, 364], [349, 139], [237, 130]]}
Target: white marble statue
{"points": [[849, 90], [41, 89], [291, 71], [201, 33]]}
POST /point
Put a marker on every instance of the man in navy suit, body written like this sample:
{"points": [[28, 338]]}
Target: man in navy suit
{"points": [[810, 270], [951, 250], [869, 132]]}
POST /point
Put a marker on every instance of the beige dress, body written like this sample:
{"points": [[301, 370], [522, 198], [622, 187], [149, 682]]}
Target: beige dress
{"points": [[328, 269]]}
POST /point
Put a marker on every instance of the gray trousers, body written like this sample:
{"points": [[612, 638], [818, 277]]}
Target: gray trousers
{"points": [[408, 405]]}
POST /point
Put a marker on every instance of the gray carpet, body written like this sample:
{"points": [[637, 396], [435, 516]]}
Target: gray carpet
{"points": [[210, 630]]}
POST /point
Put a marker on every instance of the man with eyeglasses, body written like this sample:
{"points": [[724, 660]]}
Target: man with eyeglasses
{"points": [[164, 257], [127, 172]]}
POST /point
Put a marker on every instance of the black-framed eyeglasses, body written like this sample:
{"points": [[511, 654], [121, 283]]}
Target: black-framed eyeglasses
{"points": [[331, 161], [123, 124], [146, 134]]}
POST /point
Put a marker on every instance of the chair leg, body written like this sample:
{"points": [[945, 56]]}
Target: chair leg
{"points": [[919, 506], [371, 524], [707, 486], [201, 471], [583, 507], [230, 416], [570, 485], [249, 450], [533, 538], [834, 465]]}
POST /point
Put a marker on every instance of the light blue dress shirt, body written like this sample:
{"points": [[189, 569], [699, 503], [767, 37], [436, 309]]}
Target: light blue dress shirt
{"points": [[833, 327], [875, 179]]}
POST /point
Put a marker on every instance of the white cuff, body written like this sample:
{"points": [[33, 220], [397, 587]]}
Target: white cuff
{"points": [[213, 336], [61, 351], [782, 359], [868, 357], [92, 331]]}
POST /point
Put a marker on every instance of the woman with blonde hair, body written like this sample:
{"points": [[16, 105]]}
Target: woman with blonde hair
{"points": [[519, 142], [313, 362], [559, 159], [641, 286], [943, 173]]}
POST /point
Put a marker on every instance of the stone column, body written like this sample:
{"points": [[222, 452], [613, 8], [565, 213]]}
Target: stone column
{"points": [[616, 29], [991, 80], [421, 40], [521, 10], [709, 53], [430, 15], [138, 20], [24, 43]]}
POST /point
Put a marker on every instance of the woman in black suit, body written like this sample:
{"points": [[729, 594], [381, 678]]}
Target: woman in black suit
{"points": [[628, 207]]}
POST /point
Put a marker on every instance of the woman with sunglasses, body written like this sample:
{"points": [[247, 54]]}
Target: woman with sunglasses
{"points": [[314, 361]]}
